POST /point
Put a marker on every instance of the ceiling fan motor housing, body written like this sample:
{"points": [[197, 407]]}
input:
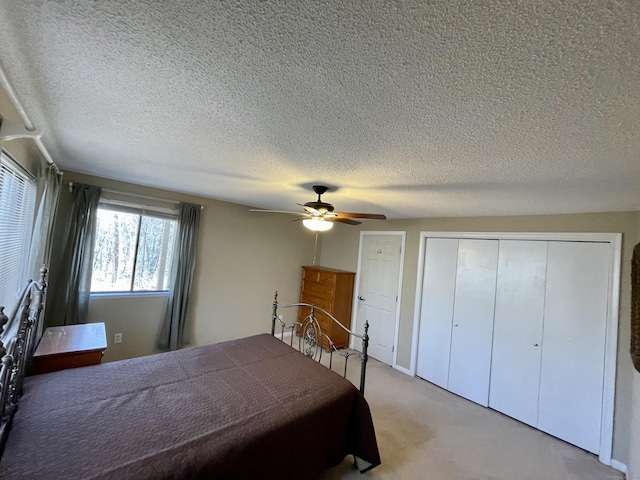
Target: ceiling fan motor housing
{"points": [[319, 205], [322, 207]]}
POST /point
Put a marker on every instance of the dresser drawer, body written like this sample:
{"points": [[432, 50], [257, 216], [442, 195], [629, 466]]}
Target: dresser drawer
{"points": [[317, 290], [327, 278], [323, 303], [324, 322], [304, 312], [311, 274]]}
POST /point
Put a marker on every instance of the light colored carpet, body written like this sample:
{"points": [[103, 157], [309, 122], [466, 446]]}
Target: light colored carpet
{"points": [[425, 432]]}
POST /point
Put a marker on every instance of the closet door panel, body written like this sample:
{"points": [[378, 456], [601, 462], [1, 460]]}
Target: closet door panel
{"points": [[436, 314], [517, 337], [574, 342], [472, 332]]}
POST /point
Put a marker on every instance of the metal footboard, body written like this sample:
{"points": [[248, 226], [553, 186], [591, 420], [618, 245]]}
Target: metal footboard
{"points": [[312, 339]]}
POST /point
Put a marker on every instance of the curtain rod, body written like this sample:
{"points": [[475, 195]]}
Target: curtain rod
{"points": [[138, 195]]}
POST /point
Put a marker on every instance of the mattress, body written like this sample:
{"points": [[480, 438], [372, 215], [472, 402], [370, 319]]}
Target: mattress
{"points": [[248, 408]]}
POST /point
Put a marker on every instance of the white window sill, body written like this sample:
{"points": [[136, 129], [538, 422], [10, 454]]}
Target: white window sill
{"points": [[161, 293]]}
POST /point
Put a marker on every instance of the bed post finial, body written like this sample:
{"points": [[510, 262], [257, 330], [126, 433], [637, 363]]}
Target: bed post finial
{"points": [[274, 313], [43, 275], [37, 299], [364, 357]]}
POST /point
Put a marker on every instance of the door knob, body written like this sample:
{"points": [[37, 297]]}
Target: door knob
{"points": [[360, 298], [535, 344]]}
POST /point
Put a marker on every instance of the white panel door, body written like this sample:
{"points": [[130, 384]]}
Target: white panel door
{"points": [[571, 379], [378, 292], [517, 329], [436, 312], [472, 333]]}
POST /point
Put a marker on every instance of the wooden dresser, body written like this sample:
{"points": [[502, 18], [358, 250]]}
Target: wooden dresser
{"points": [[331, 290], [71, 346]]}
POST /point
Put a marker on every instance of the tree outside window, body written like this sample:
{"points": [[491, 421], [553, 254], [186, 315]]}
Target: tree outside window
{"points": [[132, 252]]}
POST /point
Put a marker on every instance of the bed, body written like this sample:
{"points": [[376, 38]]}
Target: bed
{"points": [[248, 408]]}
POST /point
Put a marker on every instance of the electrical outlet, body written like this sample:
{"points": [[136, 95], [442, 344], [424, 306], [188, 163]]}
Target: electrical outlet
{"points": [[117, 338]]}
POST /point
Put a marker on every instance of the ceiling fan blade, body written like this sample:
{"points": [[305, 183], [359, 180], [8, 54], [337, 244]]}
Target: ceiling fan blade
{"points": [[310, 210], [323, 211], [302, 214], [348, 221], [371, 216]]}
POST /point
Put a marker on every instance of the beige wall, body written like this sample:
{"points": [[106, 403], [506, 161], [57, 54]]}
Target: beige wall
{"points": [[340, 250], [242, 259], [137, 318]]}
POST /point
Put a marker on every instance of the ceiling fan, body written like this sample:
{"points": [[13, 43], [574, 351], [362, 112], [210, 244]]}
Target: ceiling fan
{"points": [[319, 216]]}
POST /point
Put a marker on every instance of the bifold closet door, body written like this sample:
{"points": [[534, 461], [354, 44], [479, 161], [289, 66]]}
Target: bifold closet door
{"points": [[473, 309], [517, 329], [436, 314], [572, 373]]}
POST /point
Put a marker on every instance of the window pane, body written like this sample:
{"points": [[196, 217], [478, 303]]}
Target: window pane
{"points": [[168, 262], [114, 254], [154, 254], [17, 197]]}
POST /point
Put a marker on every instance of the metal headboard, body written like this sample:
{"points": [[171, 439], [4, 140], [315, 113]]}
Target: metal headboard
{"points": [[19, 334], [312, 339]]}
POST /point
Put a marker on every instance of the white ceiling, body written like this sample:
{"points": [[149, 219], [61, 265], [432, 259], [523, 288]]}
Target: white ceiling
{"points": [[410, 108]]}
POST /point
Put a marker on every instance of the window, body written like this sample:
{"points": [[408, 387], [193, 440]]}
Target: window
{"points": [[132, 250], [17, 203]]}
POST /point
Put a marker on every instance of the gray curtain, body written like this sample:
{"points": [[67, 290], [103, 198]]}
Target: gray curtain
{"points": [[70, 284], [42, 237], [174, 333]]}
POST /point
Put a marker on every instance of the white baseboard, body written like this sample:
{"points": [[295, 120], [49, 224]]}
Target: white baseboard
{"points": [[621, 467], [285, 336], [406, 371]]}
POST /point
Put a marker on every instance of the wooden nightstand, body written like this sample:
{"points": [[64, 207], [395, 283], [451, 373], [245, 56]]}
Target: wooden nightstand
{"points": [[69, 347]]}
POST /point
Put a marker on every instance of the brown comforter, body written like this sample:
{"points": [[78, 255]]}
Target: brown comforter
{"points": [[250, 408]]}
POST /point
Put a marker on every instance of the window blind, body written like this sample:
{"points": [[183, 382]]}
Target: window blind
{"points": [[17, 202]]}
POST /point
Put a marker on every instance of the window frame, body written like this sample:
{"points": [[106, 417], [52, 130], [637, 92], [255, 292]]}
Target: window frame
{"points": [[116, 205]]}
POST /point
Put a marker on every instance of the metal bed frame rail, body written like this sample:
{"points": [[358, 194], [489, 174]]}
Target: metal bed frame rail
{"points": [[19, 334], [312, 338]]}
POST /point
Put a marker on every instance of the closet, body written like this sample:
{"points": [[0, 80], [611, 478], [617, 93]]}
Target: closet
{"points": [[519, 325]]}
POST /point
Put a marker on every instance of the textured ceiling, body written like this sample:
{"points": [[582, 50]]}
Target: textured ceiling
{"points": [[410, 108]]}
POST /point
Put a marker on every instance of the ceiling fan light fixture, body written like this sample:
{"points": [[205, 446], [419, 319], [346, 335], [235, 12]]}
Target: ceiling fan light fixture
{"points": [[319, 216], [317, 224]]}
